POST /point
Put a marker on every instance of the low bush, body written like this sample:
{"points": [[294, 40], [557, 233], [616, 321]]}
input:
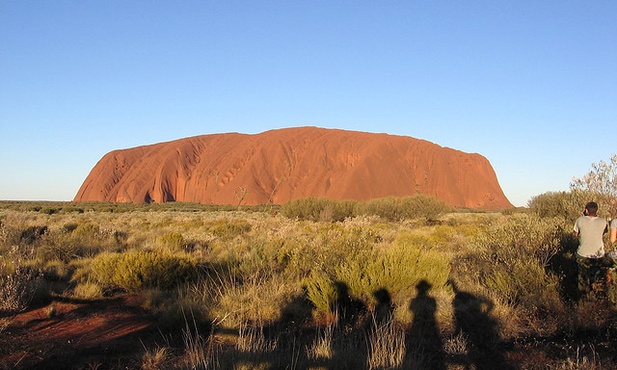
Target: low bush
{"points": [[320, 290], [227, 228], [88, 290], [76, 240], [20, 280], [565, 205], [404, 208], [511, 260], [318, 209], [417, 206], [137, 270], [396, 270], [173, 241]]}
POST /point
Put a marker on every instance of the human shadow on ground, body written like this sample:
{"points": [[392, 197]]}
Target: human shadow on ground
{"points": [[425, 346], [348, 340], [297, 341], [347, 309], [472, 316], [384, 308]]}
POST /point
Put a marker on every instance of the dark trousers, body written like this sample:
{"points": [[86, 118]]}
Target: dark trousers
{"points": [[589, 271]]}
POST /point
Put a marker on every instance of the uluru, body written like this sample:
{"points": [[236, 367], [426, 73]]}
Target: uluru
{"points": [[285, 164]]}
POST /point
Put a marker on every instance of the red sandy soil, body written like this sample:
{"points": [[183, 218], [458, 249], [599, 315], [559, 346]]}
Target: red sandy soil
{"points": [[95, 334], [282, 165]]}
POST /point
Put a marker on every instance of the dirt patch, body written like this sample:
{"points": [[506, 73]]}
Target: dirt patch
{"points": [[74, 335]]}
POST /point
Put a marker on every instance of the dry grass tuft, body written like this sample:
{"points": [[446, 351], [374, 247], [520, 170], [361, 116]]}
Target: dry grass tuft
{"points": [[387, 345], [322, 346], [157, 359]]}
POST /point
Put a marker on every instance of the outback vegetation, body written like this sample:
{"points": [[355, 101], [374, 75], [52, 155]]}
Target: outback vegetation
{"points": [[395, 283]]}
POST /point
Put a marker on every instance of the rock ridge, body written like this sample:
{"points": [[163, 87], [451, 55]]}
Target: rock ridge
{"points": [[280, 165]]}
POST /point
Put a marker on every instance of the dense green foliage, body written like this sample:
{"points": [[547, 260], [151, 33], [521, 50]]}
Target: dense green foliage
{"points": [[390, 208], [138, 270]]}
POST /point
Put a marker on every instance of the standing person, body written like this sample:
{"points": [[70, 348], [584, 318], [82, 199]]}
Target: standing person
{"points": [[590, 229]]}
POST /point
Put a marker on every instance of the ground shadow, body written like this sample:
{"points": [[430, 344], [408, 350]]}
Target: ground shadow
{"points": [[349, 338], [384, 308], [102, 332], [288, 342], [563, 264], [473, 320], [425, 346], [347, 309]]}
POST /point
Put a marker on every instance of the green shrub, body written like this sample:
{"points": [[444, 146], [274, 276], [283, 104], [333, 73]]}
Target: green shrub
{"points": [[320, 290], [565, 205], [88, 290], [512, 259], [136, 270], [389, 208], [172, 241], [398, 270], [49, 210], [404, 208], [53, 251], [70, 227], [76, 240], [318, 209], [227, 228], [365, 271], [86, 230], [521, 236]]}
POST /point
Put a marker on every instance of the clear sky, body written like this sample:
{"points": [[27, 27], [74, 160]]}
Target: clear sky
{"points": [[531, 85]]}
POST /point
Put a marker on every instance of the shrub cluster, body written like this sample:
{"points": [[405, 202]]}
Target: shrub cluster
{"points": [[405, 208], [136, 270], [19, 279], [389, 208], [565, 205], [76, 240], [511, 259], [365, 260], [227, 228], [570, 205]]}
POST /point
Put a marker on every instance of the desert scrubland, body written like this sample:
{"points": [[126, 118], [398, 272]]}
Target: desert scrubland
{"points": [[397, 283]]}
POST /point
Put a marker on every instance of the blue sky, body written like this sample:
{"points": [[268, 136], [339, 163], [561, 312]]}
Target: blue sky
{"points": [[531, 85]]}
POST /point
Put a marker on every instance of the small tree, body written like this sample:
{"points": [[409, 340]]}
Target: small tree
{"points": [[240, 193], [601, 183]]}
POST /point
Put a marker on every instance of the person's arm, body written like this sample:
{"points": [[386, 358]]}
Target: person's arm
{"points": [[613, 234]]}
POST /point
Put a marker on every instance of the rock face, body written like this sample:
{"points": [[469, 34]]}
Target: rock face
{"points": [[280, 165]]}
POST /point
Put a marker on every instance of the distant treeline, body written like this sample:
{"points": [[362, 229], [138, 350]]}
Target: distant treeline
{"points": [[51, 207], [312, 209], [389, 208]]}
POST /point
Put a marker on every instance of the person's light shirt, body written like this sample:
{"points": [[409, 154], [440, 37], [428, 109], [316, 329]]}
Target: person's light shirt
{"points": [[590, 231]]}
